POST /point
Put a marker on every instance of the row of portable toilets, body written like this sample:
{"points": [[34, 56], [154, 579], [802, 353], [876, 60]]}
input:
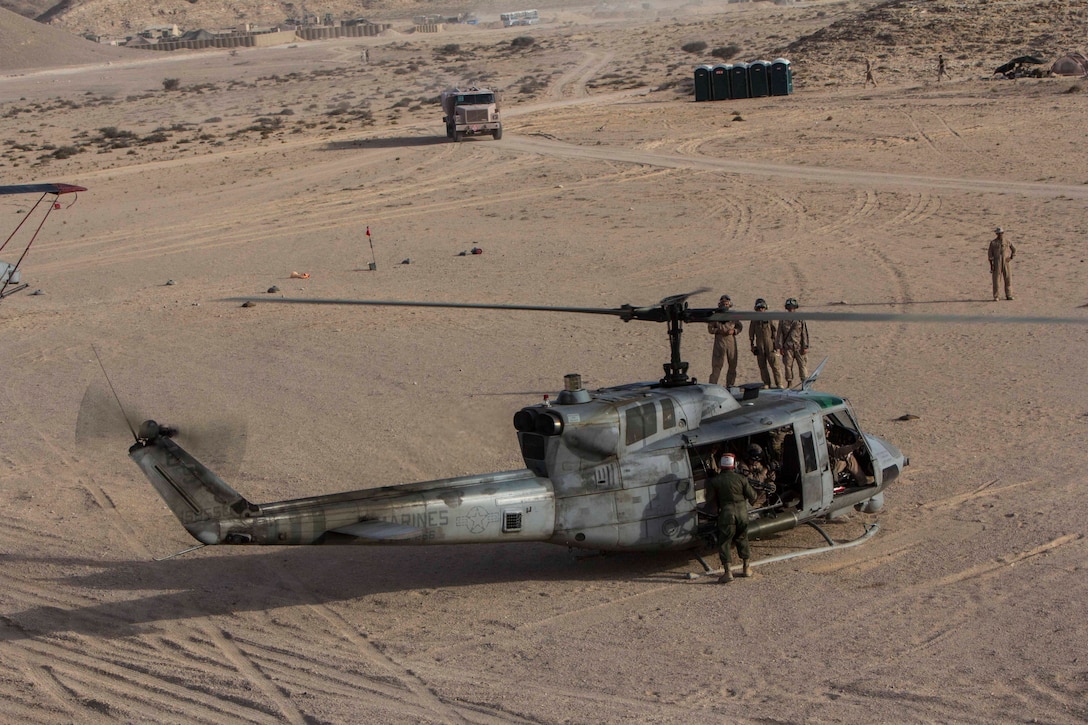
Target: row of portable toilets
{"points": [[743, 80]]}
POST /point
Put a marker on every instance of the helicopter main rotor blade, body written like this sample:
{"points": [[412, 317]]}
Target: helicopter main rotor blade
{"points": [[719, 316], [675, 304], [626, 312], [681, 298]]}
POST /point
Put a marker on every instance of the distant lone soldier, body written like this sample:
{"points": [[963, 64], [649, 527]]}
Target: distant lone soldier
{"points": [[869, 75], [725, 344], [732, 493], [1001, 254], [941, 72], [761, 334], [792, 344]]}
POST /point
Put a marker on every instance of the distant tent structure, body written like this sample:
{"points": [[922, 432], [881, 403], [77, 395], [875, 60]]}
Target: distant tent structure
{"points": [[1073, 64], [1018, 67], [197, 35]]}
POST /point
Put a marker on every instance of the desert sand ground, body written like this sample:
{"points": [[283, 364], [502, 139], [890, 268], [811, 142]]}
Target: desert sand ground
{"points": [[967, 606]]}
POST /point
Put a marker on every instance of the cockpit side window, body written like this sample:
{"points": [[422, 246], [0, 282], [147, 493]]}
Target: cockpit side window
{"points": [[668, 414], [841, 419], [808, 449], [641, 422]]}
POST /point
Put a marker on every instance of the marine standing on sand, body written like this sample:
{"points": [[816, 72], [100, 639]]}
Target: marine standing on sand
{"points": [[792, 344], [1001, 254], [725, 344], [869, 75], [941, 72], [761, 334], [732, 493]]}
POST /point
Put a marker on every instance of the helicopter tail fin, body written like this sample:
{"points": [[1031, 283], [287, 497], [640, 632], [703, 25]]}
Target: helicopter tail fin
{"points": [[201, 500]]}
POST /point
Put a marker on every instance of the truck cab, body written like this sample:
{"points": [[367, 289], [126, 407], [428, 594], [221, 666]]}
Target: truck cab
{"points": [[471, 112]]}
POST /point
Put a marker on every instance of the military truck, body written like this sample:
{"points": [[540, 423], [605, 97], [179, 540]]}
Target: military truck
{"points": [[471, 112]]}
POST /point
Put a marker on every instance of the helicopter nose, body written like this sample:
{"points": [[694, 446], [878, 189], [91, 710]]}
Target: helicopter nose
{"points": [[887, 458]]}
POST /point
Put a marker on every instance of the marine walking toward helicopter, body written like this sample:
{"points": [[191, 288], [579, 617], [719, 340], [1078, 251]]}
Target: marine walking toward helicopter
{"points": [[792, 343], [761, 336]]}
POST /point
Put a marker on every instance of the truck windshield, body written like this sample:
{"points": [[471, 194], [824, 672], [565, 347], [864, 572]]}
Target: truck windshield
{"points": [[471, 99]]}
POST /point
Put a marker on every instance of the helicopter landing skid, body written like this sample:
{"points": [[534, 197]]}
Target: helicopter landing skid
{"points": [[870, 529], [10, 291]]}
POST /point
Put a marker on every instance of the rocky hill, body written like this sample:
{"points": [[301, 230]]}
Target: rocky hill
{"points": [[26, 44], [899, 34], [27, 8], [120, 17]]}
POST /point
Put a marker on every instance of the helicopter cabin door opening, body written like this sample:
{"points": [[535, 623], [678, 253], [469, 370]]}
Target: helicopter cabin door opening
{"points": [[787, 477], [808, 464]]}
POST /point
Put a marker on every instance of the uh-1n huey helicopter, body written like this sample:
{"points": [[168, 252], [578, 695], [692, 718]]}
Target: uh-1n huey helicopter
{"points": [[621, 468]]}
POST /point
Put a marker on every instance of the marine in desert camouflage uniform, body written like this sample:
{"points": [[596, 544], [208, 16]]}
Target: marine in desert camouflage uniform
{"points": [[1001, 254], [725, 345], [761, 335], [792, 344]]}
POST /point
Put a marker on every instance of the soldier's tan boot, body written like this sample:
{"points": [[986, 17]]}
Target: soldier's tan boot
{"points": [[747, 570], [726, 577]]}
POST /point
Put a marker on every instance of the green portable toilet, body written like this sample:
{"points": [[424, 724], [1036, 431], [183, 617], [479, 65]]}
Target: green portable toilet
{"points": [[738, 81], [781, 77], [719, 82], [702, 83], [758, 83]]}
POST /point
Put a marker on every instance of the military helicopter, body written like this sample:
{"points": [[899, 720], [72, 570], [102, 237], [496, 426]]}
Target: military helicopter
{"points": [[620, 468], [10, 274]]}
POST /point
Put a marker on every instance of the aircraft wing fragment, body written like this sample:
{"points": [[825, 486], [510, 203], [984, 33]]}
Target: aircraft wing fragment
{"points": [[41, 189]]}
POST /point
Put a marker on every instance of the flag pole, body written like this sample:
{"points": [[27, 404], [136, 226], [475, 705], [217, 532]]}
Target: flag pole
{"points": [[374, 260]]}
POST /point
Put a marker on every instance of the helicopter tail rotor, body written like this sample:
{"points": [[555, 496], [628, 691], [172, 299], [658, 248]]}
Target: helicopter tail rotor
{"points": [[209, 509], [102, 416]]}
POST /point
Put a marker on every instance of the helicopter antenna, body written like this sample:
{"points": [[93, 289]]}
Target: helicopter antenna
{"points": [[807, 384], [115, 396]]}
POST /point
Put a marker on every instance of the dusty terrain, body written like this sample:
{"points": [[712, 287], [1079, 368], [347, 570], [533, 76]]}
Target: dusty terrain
{"points": [[610, 186]]}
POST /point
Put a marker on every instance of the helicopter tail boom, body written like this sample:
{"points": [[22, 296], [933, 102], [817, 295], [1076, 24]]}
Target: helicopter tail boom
{"points": [[485, 508], [196, 495]]}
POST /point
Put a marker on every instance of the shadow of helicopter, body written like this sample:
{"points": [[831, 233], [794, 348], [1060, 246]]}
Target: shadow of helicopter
{"points": [[386, 143], [266, 580]]}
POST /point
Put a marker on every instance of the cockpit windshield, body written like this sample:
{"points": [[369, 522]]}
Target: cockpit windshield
{"points": [[473, 99]]}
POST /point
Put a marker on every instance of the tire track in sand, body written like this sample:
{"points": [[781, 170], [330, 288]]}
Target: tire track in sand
{"points": [[573, 82], [419, 690]]}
